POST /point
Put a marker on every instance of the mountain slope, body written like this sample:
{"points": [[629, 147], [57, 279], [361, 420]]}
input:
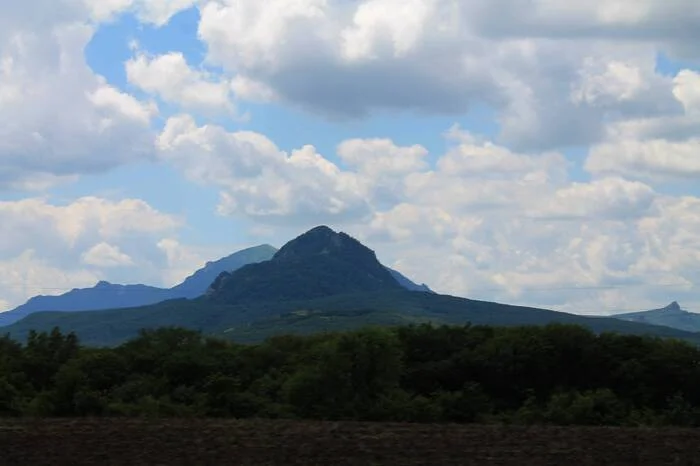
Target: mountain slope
{"points": [[670, 316], [255, 321], [408, 284], [107, 295], [196, 284], [318, 263]]}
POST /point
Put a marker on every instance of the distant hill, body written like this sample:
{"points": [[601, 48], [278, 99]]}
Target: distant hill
{"points": [[670, 316], [320, 281], [105, 295]]}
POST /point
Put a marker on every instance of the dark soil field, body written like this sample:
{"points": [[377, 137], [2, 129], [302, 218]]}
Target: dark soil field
{"points": [[216, 442]]}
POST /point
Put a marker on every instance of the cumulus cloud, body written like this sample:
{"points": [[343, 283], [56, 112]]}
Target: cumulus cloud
{"points": [[157, 12], [655, 148], [105, 127], [59, 118], [256, 178], [49, 248], [171, 78], [671, 24], [106, 255], [606, 198], [441, 56]]}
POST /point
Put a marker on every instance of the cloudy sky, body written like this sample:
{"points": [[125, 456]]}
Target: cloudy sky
{"points": [[540, 152]]}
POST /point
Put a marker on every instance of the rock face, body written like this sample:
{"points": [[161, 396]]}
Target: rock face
{"points": [[319, 263]]}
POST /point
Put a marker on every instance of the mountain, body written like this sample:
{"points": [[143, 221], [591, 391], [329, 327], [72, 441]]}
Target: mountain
{"points": [[318, 263], [320, 281], [196, 284], [670, 316], [105, 295]]}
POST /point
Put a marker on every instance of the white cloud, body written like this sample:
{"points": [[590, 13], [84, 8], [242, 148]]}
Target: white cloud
{"points": [[687, 91], [29, 274], [173, 80], [106, 255], [251, 90], [59, 118], [607, 198], [157, 12], [656, 158], [611, 82], [669, 23], [441, 56], [655, 148], [256, 178], [49, 248], [376, 157], [37, 224]]}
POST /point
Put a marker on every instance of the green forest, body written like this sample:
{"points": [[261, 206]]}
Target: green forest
{"points": [[556, 374]]}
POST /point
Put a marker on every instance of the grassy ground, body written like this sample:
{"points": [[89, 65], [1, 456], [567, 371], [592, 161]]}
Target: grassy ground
{"points": [[216, 442]]}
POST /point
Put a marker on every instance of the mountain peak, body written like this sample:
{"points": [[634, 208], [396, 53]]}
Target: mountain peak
{"points": [[322, 240], [674, 306]]}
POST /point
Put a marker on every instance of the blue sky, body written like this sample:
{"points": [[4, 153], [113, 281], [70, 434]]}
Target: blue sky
{"points": [[490, 157]]}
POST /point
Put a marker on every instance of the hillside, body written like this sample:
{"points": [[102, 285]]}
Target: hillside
{"points": [[670, 316], [320, 281], [105, 295]]}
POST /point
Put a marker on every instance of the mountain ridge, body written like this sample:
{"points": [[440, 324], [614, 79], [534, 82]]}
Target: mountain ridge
{"points": [[134, 295], [124, 296], [320, 282]]}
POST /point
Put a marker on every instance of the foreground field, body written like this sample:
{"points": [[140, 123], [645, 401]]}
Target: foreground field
{"points": [[216, 442]]}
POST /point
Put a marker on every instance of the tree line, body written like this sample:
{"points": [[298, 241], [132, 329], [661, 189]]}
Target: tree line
{"points": [[555, 374]]}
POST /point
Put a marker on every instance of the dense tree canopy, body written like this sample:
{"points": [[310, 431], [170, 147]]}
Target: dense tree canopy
{"points": [[556, 374]]}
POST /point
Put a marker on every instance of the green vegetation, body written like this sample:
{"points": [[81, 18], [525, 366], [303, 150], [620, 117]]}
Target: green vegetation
{"points": [[555, 374]]}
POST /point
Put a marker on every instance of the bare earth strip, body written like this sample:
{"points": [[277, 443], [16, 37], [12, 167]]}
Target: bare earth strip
{"points": [[222, 442]]}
